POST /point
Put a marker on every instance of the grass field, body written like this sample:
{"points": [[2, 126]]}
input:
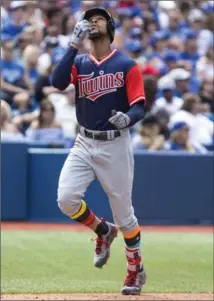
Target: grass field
{"points": [[61, 262]]}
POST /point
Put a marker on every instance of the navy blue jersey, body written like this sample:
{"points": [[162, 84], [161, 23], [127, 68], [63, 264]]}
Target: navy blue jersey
{"points": [[115, 83]]}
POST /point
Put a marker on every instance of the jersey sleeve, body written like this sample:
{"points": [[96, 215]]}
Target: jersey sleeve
{"points": [[134, 85]]}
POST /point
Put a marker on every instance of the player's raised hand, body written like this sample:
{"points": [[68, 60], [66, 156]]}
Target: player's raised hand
{"points": [[80, 30], [119, 120]]}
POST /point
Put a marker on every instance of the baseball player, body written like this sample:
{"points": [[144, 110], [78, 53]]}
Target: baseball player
{"points": [[109, 99]]}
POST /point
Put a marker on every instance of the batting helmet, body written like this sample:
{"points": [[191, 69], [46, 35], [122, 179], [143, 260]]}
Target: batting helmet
{"points": [[110, 21]]}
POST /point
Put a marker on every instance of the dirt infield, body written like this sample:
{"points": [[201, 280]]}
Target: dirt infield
{"points": [[26, 226], [22, 226], [147, 296]]}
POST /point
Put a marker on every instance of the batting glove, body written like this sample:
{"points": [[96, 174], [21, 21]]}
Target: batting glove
{"points": [[119, 120], [80, 30]]}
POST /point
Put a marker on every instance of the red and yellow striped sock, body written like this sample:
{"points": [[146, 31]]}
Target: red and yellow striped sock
{"points": [[84, 215]]}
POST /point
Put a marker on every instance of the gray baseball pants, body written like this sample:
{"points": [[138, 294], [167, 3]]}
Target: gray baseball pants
{"points": [[112, 164]]}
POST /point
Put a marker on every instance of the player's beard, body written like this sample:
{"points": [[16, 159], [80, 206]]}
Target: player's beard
{"points": [[95, 36]]}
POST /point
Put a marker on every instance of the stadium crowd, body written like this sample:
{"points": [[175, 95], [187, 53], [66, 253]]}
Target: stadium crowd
{"points": [[171, 41]]}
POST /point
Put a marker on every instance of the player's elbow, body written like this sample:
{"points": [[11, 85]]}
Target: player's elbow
{"points": [[58, 81]]}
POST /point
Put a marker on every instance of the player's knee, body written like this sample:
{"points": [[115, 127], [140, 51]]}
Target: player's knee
{"points": [[127, 224], [68, 202], [69, 207]]}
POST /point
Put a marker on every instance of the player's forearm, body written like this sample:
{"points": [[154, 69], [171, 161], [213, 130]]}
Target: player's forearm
{"points": [[61, 76], [136, 113]]}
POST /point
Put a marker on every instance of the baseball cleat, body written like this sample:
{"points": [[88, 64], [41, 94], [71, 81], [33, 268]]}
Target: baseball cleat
{"points": [[134, 282], [103, 243]]}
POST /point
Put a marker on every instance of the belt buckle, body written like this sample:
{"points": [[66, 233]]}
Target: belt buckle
{"points": [[101, 136], [104, 136]]}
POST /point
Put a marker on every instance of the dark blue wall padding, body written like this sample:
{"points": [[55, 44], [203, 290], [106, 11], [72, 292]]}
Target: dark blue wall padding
{"points": [[169, 188], [175, 186], [14, 181]]}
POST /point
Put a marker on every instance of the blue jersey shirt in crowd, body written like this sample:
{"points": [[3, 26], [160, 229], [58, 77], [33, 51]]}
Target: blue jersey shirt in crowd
{"points": [[193, 58], [33, 74], [11, 71], [115, 83], [57, 54], [11, 30]]}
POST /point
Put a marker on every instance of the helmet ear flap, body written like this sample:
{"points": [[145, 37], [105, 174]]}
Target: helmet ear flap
{"points": [[111, 28]]}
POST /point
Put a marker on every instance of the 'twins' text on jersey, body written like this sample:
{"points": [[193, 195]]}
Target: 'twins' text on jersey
{"points": [[94, 87], [115, 83]]}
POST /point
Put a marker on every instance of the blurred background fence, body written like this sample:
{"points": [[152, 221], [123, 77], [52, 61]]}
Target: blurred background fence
{"points": [[175, 188]]}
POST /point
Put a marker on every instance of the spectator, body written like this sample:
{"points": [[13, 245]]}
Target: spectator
{"points": [[155, 56], [182, 80], [197, 22], [170, 59], [149, 24], [190, 48], [205, 65], [149, 137], [13, 78], [54, 32], [196, 19], [22, 103], [179, 140], [175, 21], [126, 3], [43, 85], [126, 21], [168, 101], [175, 44], [23, 40], [4, 15], [207, 92], [9, 131], [150, 86], [37, 32], [45, 8], [163, 118], [150, 71], [22, 121], [111, 7], [185, 6], [18, 21], [85, 5], [136, 33], [45, 128], [201, 128], [33, 13], [55, 17], [134, 49], [64, 105], [172, 39], [158, 42], [6, 124], [30, 58], [68, 25], [52, 48], [163, 11]]}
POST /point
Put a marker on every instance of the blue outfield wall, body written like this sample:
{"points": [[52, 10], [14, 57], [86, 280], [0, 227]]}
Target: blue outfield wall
{"points": [[14, 170], [175, 188]]}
